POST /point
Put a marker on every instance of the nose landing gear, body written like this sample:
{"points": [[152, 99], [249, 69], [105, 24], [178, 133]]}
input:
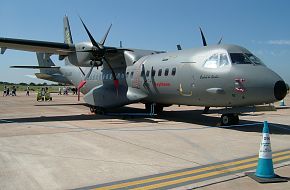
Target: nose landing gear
{"points": [[97, 110], [229, 119]]}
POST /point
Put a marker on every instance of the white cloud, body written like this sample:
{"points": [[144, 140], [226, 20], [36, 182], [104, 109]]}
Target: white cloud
{"points": [[278, 42]]}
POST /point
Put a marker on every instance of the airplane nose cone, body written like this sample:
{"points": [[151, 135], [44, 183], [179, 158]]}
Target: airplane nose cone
{"points": [[280, 90]]}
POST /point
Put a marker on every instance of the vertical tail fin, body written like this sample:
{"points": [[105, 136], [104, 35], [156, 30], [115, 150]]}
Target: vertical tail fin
{"points": [[67, 36], [67, 32], [44, 60]]}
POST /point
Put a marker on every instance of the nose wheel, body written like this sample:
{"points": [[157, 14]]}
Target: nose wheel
{"points": [[229, 119], [97, 110]]}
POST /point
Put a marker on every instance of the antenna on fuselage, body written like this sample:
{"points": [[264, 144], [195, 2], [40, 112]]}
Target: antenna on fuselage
{"points": [[202, 37]]}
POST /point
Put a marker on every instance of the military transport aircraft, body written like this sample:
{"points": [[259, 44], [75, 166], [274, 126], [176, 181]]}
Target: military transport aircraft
{"points": [[212, 76]]}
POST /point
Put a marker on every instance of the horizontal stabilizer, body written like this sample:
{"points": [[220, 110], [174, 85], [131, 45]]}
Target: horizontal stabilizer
{"points": [[34, 67]]}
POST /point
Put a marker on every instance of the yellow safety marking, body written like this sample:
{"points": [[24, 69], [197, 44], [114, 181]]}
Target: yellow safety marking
{"points": [[206, 175], [141, 181]]}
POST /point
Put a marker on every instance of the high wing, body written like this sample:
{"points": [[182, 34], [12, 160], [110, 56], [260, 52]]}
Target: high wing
{"points": [[36, 46], [34, 67]]}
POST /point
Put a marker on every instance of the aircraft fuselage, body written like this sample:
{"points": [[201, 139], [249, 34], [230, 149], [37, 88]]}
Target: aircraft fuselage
{"points": [[204, 76]]}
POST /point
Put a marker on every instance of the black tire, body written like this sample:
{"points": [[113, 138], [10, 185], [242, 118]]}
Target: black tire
{"points": [[236, 119], [92, 110], [227, 119]]}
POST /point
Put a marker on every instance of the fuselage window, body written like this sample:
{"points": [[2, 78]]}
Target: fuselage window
{"points": [[127, 74], [132, 73], [173, 72], [159, 72], [153, 73], [142, 73], [166, 72], [147, 73]]}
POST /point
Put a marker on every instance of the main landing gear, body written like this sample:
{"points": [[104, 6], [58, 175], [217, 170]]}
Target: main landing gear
{"points": [[154, 108], [229, 119], [97, 110]]}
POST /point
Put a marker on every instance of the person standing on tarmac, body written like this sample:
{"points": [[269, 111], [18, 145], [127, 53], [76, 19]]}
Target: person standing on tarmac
{"points": [[27, 91], [4, 91]]}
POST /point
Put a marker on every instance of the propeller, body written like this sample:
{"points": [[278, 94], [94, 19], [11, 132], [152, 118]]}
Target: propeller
{"points": [[99, 52]]}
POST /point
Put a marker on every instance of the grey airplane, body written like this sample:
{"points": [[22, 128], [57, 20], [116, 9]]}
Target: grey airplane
{"points": [[227, 76]]}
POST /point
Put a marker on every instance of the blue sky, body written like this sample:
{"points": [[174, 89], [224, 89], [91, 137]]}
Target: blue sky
{"points": [[263, 27]]}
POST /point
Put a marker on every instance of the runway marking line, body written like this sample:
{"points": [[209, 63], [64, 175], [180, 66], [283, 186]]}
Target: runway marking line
{"points": [[237, 166], [175, 182]]}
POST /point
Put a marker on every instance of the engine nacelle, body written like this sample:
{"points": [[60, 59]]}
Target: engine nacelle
{"points": [[83, 56]]}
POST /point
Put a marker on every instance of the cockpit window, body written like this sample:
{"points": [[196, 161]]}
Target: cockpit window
{"points": [[212, 62], [216, 61], [239, 58], [254, 59], [224, 60]]}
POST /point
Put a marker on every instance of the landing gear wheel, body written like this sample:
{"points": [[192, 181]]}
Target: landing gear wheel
{"points": [[236, 119], [97, 110], [229, 119], [92, 110]]}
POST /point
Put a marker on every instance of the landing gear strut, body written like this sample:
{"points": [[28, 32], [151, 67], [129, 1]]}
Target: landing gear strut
{"points": [[229, 119], [154, 109]]}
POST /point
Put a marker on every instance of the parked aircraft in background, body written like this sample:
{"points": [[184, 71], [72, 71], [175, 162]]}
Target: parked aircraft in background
{"points": [[212, 76]]}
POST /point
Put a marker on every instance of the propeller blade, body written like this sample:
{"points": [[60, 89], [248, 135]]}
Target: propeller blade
{"points": [[84, 81], [203, 38], [82, 71], [116, 81], [89, 73], [220, 41], [102, 42], [90, 36]]}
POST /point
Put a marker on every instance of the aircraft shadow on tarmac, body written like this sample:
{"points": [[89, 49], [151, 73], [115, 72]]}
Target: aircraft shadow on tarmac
{"points": [[185, 116]]}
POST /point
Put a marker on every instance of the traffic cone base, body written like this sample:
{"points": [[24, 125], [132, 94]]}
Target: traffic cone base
{"points": [[265, 168]]}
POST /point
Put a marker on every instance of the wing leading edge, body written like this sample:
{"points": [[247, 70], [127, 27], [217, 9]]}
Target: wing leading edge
{"points": [[36, 46]]}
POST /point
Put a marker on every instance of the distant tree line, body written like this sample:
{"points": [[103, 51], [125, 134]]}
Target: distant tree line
{"points": [[29, 84]]}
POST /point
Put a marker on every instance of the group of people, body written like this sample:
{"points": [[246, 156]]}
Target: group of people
{"points": [[7, 92], [65, 90]]}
